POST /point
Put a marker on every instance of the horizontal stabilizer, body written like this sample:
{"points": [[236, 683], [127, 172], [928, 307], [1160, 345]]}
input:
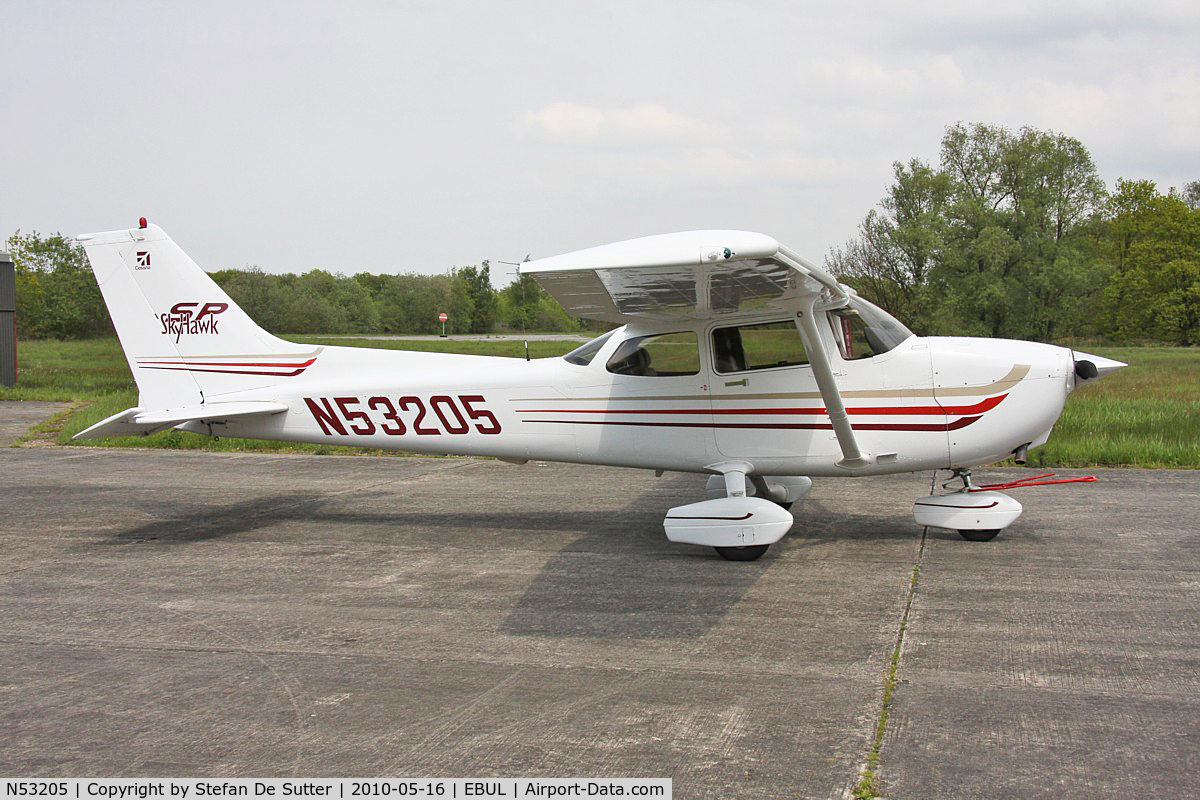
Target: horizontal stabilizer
{"points": [[140, 422]]}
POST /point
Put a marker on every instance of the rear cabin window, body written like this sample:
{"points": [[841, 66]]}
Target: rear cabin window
{"points": [[584, 354], [766, 346], [662, 355]]}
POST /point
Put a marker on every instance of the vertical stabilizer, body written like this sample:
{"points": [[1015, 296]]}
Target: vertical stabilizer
{"points": [[185, 339]]}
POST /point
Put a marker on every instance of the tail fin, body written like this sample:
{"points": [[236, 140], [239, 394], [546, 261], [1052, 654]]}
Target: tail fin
{"points": [[186, 340]]}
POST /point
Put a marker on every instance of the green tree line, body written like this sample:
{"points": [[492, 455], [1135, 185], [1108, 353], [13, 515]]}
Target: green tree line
{"points": [[1011, 234], [57, 298]]}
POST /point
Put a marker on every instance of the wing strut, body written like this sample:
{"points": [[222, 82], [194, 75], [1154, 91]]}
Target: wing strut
{"points": [[853, 457]]}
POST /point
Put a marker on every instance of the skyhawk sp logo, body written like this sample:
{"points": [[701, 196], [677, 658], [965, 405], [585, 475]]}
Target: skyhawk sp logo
{"points": [[182, 320]]}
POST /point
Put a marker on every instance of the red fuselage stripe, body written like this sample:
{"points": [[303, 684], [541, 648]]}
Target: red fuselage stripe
{"points": [[978, 408], [291, 374], [285, 365], [779, 426]]}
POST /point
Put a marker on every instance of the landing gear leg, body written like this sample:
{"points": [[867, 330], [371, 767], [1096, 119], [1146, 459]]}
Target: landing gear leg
{"points": [[735, 486], [960, 474], [766, 492]]}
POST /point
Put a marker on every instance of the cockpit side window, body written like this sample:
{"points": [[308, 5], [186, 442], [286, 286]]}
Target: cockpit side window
{"points": [[662, 355], [748, 347], [863, 330], [852, 335]]}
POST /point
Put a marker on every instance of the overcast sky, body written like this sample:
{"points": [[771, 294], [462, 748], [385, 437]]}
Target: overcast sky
{"points": [[412, 136]]}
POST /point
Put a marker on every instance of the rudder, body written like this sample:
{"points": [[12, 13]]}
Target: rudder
{"points": [[185, 339]]}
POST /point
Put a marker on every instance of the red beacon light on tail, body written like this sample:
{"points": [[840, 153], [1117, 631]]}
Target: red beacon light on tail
{"points": [[142, 222]]}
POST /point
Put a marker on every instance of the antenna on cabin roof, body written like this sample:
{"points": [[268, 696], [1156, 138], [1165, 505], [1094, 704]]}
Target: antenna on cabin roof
{"points": [[521, 286]]}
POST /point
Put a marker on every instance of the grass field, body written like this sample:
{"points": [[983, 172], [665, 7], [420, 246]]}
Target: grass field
{"points": [[94, 376], [1147, 415]]}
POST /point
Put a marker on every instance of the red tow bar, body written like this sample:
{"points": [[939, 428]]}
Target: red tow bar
{"points": [[1034, 481]]}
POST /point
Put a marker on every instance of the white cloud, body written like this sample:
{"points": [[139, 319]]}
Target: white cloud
{"points": [[648, 146], [646, 124], [501, 128], [858, 79]]}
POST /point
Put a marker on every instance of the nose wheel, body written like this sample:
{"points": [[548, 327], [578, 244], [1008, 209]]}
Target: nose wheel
{"points": [[751, 552], [971, 535], [979, 536], [977, 513]]}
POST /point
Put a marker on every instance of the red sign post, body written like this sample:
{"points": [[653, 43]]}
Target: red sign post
{"points": [[442, 317]]}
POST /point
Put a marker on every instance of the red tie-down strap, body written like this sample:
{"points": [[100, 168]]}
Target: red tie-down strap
{"points": [[1034, 481]]}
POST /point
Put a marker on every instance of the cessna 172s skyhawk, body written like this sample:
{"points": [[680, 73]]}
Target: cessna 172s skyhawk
{"points": [[735, 358]]}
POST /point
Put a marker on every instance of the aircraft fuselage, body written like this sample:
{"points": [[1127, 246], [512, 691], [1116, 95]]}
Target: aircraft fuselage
{"points": [[927, 403]]}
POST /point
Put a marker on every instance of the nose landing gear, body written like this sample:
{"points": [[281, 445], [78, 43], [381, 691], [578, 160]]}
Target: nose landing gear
{"points": [[977, 514]]}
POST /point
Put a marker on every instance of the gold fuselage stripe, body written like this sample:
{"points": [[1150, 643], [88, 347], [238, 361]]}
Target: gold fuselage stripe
{"points": [[1014, 376]]}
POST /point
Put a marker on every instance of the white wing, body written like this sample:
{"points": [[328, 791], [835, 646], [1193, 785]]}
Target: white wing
{"points": [[696, 274]]}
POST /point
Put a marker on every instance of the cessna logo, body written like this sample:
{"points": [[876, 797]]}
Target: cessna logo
{"points": [[185, 320], [143, 259]]}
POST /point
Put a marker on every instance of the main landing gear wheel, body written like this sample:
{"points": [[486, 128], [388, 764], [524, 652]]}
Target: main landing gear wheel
{"points": [[750, 552], [979, 536]]}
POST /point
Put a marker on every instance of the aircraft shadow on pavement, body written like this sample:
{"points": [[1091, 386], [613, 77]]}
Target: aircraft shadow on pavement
{"points": [[818, 525], [625, 580], [181, 524], [620, 578], [202, 522]]}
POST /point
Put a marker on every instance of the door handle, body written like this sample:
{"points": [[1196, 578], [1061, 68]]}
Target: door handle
{"points": [[742, 382]]}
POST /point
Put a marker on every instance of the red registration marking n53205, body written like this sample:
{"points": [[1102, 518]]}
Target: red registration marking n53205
{"points": [[432, 416]]}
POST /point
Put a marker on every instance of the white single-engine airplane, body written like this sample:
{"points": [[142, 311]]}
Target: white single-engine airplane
{"points": [[735, 358]]}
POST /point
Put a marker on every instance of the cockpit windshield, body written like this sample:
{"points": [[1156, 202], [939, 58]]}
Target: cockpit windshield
{"points": [[863, 329]]}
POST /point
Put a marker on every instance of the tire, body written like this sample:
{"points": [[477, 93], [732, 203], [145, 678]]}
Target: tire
{"points": [[979, 536], [750, 552]]}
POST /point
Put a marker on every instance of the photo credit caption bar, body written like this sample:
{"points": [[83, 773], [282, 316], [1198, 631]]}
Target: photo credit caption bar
{"points": [[451, 788]]}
